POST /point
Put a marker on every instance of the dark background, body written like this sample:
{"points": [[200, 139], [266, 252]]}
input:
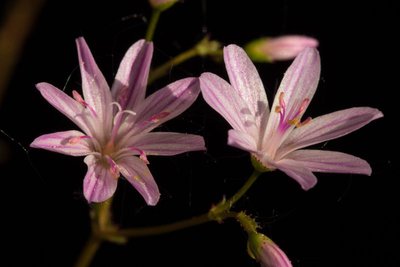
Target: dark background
{"points": [[346, 220]]}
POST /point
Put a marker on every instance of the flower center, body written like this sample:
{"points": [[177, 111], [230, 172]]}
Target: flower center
{"points": [[285, 120]]}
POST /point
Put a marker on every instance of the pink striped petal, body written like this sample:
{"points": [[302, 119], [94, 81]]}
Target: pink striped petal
{"points": [[137, 173], [99, 183], [166, 104], [242, 141], [295, 92], [223, 98], [168, 144], [272, 256], [244, 77], [73, 143], [327, 127], [265, 251], [297, 171], [66, 105], [95, 89], [330, 161], [130, 83]]}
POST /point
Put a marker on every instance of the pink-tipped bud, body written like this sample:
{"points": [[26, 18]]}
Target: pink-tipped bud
{"points": [[162, 4], [265, 251], [268, 49]]}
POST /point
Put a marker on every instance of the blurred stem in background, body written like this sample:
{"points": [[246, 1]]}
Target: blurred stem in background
{"points": [[18, 19]]}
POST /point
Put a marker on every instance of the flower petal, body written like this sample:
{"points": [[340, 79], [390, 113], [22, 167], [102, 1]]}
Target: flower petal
{"points": [[94, 86], [99, 183], [224, 99], [168, 144], [130, 83], [166, 104], [242, 141], [271, 255], [327, 127], [244, 77], [70, 143], [295, 92], [137, 173], [298, 171], [66, 105], [330, 161]]}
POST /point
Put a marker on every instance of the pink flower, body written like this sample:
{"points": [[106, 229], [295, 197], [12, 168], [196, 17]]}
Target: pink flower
{"points": [[266, 251], [116, 124], [276, 138], [285, 47]]}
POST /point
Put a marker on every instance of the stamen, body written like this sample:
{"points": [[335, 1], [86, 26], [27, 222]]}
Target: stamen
{"points": [[294, 122], [76, 139], [159, 116], [306, 121], [114, 170], [142, 154], [80, 100], [297, 123], [117, 121], [118, 105], [137, 178], [117, 117], [281, 100], [304, 105], [284, 122]]}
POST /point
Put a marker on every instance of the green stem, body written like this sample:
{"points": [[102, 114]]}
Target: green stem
{"points": [[225, 205], [105, 230], [244, 188], [204, 47], [88, 252], [160, 229], [217, 213], [166, 67], [155, 16], [247, 223]]}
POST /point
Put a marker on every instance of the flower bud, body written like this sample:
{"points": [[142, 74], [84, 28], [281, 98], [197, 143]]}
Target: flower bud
{"points": [[265, 251], [162, 4], [268, 49]]}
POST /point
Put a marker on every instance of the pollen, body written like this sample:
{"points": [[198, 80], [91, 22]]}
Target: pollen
{"points": [[159, 116], [137, 178], [76, 139], [306, 121]]}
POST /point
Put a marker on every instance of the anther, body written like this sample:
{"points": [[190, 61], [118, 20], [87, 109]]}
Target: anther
{"points": [[114, 170], [76, 139], [81, 101], [159, 116], [142, 154]]}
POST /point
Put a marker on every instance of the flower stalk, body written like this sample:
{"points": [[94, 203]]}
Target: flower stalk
{"points": [[205, 47], [151, 28]]}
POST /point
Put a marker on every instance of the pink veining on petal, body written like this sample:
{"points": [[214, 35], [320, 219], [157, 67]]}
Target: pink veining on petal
{"points": [[275, 141], [99, 183], [137, 173], [111, 134], [95, 89], [130, 83], [73, 143]]}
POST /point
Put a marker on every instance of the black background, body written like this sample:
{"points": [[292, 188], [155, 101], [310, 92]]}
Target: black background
{"points": [[346, 220]]}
